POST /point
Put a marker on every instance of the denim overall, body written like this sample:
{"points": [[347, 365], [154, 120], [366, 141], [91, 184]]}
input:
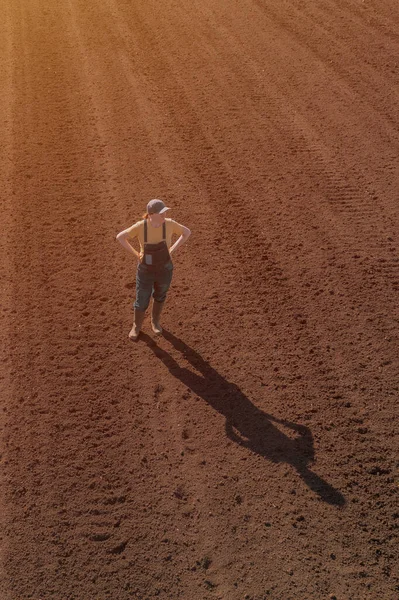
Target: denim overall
{"points": [[154, 272]]}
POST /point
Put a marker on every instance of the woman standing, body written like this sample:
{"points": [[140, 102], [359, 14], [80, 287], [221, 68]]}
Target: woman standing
{"points": [[155, 267]]}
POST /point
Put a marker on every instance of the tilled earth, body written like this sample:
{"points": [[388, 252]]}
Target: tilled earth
{"points": [[249, 453]]}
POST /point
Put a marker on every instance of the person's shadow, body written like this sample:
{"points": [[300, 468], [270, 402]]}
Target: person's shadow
{"points": [[246, 424]]}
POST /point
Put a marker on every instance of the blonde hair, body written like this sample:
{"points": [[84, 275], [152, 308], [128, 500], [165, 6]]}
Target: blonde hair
{"points": [[145, 216]]}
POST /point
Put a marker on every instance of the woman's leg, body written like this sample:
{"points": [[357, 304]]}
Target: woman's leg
{"points": [[161, 287], [144, 285], [144, 288], [162, 283]]}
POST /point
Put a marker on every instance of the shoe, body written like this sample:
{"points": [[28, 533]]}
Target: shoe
{"points": [[137, 323], [156, 313]]}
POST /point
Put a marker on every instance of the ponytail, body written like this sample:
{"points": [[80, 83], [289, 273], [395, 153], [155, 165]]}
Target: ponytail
{"points": [[145, 216]]}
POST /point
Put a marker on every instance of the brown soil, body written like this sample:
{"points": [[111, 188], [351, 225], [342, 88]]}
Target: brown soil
{"points": [[250, 452]]}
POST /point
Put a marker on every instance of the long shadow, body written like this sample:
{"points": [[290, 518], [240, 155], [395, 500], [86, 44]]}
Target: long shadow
{"points": [[246, 424]]}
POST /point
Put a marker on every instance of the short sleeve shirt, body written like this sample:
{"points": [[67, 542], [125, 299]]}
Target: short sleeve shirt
{"points": [[154, 234]]}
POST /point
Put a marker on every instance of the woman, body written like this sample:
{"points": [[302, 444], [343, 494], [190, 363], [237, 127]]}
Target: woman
{"points": [[155, 268]]}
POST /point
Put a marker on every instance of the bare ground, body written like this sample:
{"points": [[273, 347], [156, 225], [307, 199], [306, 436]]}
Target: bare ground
{"points": [[250, 452]]}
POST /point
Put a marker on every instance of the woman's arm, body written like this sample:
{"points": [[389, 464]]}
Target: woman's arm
{"points": [[183, 238], [122, 239]]}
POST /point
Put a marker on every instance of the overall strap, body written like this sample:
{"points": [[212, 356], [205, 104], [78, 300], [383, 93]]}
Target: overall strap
{"points": [[164, 231], [145, 231]]}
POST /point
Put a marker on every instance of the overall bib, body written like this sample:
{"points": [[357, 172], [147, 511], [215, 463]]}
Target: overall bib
{"points": [[155, 255], [154, 272]]}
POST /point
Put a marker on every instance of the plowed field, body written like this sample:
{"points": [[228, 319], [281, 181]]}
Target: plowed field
{"points": [[250, 451]]}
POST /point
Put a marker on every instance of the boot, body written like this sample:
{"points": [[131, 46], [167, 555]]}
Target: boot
{"points": [[156, 313], [137, 323]]}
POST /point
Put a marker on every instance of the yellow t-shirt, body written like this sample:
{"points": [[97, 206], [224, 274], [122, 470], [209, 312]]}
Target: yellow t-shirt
{"points": [[154, 234]]}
